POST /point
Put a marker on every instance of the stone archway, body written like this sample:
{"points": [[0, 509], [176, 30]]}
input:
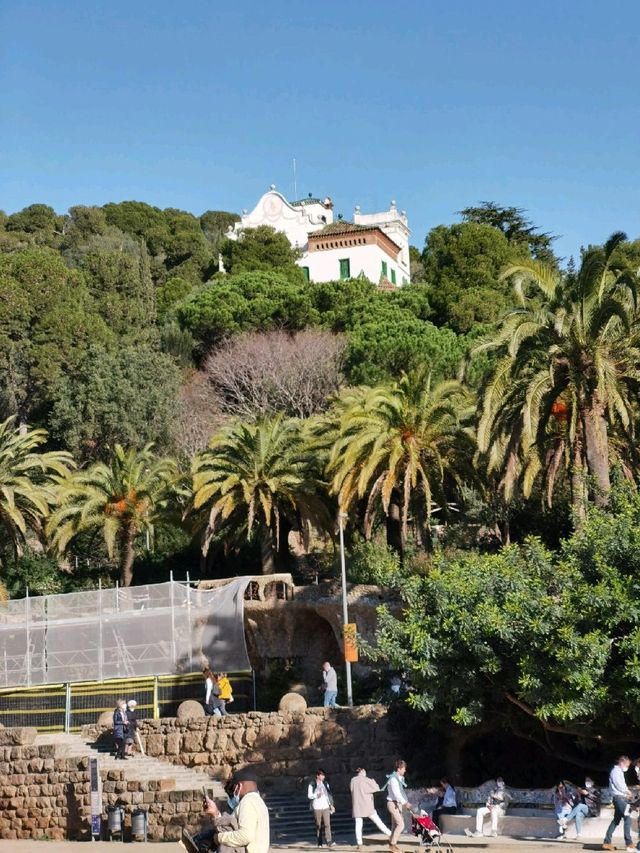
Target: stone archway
{"points": [[282, 631]]}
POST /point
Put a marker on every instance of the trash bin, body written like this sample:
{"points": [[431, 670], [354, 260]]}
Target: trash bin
{"points": [[115, 820], [139, 825]]}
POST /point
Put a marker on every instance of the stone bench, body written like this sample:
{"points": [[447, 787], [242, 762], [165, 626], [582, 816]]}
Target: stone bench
{"points": [[526, 823]]}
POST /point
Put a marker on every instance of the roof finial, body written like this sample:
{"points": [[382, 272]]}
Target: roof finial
{"points": [[272, 187]]}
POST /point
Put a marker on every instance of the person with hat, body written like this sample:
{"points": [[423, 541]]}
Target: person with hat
{"points": [[251, 813]]}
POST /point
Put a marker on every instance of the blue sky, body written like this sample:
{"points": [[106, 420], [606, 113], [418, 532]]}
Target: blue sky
{"points": [[437, 104]]}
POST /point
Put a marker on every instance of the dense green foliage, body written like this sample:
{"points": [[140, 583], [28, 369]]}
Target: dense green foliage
{"points": [[494, 398], [109, 314], [547, 643], [462, 265]]}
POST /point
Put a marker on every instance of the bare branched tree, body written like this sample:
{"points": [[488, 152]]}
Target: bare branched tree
{"points": [[263, 373], [199, 415]]}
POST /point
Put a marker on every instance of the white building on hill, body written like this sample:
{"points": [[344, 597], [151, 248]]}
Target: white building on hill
{"points": [[374, 245]]}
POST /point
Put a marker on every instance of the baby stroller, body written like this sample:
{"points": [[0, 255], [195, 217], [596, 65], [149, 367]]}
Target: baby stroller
{"points": [[427, 833]]}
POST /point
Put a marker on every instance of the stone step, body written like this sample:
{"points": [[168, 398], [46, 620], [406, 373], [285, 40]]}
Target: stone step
{"points": [[291, 817], [137, 768]]}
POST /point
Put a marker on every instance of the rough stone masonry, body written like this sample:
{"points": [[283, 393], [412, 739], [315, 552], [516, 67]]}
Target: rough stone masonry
{"points": [[44, 796]]}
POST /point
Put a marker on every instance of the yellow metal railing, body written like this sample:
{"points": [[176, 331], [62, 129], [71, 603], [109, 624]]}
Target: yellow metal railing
{"points": [[82, 702]]}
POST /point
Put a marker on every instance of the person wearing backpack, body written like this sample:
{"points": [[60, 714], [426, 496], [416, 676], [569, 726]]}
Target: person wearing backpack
{"points": [[321, 804]]}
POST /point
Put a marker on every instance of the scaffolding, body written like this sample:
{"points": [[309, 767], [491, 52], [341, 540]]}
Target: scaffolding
{"points": [[156, 629]]}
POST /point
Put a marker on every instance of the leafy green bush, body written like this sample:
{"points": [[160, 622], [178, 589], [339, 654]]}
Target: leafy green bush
{"points": [[373, 562]]}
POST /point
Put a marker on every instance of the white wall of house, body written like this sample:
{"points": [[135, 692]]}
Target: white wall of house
{"points": [[300, 220], [297, 223], [395, 224], [324, 265]]}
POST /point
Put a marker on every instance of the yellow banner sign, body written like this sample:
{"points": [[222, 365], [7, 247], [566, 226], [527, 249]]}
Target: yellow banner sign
{"points": [[350, 637]]}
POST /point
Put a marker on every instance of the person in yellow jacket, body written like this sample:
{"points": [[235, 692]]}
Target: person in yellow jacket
{"points": [[226, 691]]}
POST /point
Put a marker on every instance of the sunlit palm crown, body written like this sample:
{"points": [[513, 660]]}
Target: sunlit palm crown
{"points": [[28, 480], [126, 493], [255, 472], [407, 437], [570, 355]]}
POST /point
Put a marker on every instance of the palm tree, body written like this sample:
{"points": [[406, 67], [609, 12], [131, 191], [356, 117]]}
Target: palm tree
{"points": [[254, 476], [122, 498], [400, 446], [27, 481], [569, 372]]}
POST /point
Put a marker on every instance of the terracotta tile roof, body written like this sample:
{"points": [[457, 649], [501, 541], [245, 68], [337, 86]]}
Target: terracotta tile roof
{"points": [[341, 227]]}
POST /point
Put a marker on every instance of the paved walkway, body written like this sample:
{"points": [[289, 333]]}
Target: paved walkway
{"points": [[467, 845]]}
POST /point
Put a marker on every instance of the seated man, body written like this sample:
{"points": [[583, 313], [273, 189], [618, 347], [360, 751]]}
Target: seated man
{"points": [[496, 806]]}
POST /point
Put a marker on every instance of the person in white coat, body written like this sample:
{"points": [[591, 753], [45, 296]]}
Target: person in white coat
{"points": [[362, 790]]}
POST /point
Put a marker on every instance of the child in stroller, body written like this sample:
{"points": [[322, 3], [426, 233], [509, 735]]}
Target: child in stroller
{"points": [[425, 829], [428, 833]]}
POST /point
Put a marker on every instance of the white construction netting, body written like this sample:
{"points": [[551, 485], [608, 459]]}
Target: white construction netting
{"points": [[157, 629]]}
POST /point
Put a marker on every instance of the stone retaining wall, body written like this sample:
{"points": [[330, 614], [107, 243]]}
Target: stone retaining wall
{"points": [[282, 747], [43, 796], [49, 798]]}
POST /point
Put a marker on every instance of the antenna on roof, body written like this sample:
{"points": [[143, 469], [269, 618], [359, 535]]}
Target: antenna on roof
{"points": [[295, 181]]}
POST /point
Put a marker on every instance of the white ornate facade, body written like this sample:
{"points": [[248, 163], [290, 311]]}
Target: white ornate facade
{"points": [[374, 245]]}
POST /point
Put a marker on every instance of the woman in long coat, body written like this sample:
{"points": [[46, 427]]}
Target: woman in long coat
{"points": [[362, 790]]}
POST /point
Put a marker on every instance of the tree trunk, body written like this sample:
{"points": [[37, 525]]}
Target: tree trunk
{"points": [[283, 558], [394, 524], [578, 485], [127, 556], [597, 449], [267, 550], [504, 529], [423, 530]]}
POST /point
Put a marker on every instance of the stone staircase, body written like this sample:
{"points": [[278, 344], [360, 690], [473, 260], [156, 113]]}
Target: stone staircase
{"points": [[137, 768], [291, 819]]}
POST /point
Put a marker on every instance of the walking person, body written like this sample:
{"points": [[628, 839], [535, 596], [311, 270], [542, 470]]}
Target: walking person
{"points": [[447, 802], [321, 799], [362, 790], [120, 728], [212, 703], [330, 679], [588, 806], [397, 802], [226, 692], [132, 721], [621, 796]]}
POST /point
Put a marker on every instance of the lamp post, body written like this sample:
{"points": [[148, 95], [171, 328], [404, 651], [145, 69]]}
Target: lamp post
{"points": [[345, 615]]}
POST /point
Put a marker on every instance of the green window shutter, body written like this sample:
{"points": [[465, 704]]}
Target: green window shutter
{"points": [[384, 269], [393, 276], [305, 273], [345, 268]]}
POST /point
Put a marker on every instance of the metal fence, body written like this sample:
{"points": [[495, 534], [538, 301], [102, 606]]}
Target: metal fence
{"points": [[68, 707]]}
